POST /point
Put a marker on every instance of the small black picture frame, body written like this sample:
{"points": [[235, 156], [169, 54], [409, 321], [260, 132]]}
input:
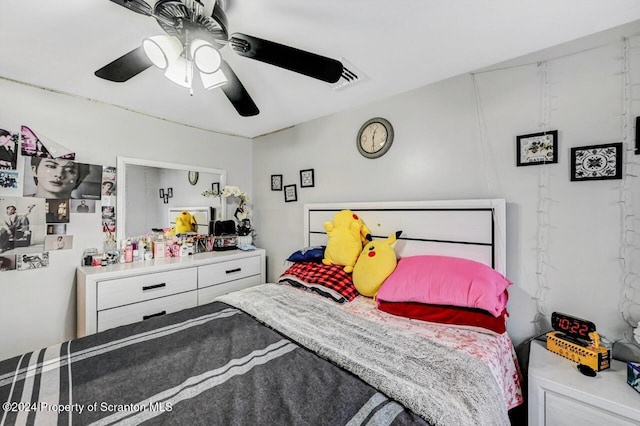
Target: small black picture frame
{"points": [[276, 182], [596, 162], [161, 192], [170, 192], [215, 187], [537, 148], [637, 136], [165, 199], [306, 178], [290, 193]]}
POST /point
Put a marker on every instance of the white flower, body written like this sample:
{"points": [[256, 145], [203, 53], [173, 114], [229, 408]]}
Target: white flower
{"points": [[240, 215], [230, 191], [242, 211]]}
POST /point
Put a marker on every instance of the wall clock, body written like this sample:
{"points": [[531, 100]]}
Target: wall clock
{"points": [[193, 177], [375, 138]]}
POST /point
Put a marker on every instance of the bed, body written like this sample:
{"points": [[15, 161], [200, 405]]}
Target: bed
{"points": [[279, 354]]}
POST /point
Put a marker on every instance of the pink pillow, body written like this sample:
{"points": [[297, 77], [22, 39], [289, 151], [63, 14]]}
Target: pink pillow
{"points": [[442, 280]]}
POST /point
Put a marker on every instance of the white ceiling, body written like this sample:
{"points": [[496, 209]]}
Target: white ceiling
{"points": [[399, 45]]}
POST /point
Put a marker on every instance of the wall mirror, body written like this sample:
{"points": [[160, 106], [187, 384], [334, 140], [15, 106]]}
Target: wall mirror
{"points": [[150, 191]]}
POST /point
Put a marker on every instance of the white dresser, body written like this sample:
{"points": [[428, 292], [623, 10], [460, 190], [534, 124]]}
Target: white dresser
{"points": [[560, 395], [122, 294]]}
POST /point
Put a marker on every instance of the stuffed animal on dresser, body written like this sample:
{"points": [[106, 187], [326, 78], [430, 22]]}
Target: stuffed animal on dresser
{"points": [[185, 222], [376, 262], [347, 234]]}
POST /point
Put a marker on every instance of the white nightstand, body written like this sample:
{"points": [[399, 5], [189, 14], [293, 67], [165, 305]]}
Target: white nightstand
{"points": [[560, 395]]}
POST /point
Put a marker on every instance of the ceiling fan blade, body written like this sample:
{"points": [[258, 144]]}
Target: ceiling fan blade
{"points": [[237, 94], [127, 66], [300, 61], [138, 6]]}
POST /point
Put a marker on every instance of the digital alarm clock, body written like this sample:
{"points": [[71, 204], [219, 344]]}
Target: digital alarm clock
{"points": [[572, 326], [577, 339]]}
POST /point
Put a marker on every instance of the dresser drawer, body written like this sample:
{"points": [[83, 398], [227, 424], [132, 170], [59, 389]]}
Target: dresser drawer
{"points": [[564, 411], [228, 271], [124, 291], [144, 310], [207, 294]]}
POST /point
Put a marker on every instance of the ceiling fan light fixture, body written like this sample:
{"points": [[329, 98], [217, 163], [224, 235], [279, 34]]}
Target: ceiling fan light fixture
{"points": [[205, 56], [180, 72], [162, 50], [211, 81]]}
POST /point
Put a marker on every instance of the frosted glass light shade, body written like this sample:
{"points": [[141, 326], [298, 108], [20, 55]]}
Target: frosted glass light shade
{"points": [[211, 81], [162, 50], [180, 72], [205, 56]]}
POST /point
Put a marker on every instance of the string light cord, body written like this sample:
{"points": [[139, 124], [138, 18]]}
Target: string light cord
{"points": [[486, 154], [542, 260], [543, 210], [630, 237]]}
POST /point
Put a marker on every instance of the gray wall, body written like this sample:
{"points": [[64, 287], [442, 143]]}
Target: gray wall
{"points": [[456, 139], [38, 307]]}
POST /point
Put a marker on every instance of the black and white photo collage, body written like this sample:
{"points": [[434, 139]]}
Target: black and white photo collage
{"points": [[42, 186]]}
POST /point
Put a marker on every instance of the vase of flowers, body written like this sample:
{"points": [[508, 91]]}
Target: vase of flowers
{"points": [[243, 226]]}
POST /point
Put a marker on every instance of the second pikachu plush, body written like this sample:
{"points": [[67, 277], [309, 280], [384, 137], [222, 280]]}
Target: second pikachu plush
{"points": [[376, 262]]}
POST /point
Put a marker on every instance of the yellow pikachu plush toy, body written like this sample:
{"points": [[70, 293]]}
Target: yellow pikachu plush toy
{"points": [[375, 264], [185, 222], [346, 234]]}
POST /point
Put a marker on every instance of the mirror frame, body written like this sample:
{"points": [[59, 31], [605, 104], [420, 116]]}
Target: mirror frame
{"points": [[121, 179]]}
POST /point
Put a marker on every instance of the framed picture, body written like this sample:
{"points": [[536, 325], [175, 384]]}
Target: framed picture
{"points": [[215, 187], [276, 182], [170, 192], [596, 162], [290, 193], [161, 192], [637, 135], [537, 148], [306, 178]]}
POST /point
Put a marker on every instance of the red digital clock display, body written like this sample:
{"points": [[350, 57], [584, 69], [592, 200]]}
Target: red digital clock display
{"points": [[572, 326]]}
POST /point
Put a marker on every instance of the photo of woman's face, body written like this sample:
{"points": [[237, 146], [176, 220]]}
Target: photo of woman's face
{"points": [[56, 178]]}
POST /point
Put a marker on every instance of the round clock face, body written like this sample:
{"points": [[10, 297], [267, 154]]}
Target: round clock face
{"points": [[193, 177], [375, 138]]}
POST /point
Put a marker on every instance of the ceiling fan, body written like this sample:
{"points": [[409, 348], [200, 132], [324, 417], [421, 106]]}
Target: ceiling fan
{"points": [[191, 24]]}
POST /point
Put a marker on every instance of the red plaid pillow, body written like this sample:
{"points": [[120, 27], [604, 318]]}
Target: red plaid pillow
{"points": [[329, 281]]}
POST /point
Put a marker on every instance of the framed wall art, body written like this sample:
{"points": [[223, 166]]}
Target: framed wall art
{"points": [[306, 178], [537, 148], [637, 136], [215, 187], [290, 193], [276, 182], [596, 162]]}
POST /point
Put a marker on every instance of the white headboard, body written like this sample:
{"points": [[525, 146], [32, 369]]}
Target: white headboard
{"points": [[471, 229]]}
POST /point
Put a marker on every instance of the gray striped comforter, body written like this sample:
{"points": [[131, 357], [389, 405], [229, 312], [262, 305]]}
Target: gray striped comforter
{"points": [[210, 365]]}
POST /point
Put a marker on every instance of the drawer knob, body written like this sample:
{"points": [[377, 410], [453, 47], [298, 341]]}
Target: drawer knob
{"points": [[231, 271], [152, 287], [159, 314]]}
